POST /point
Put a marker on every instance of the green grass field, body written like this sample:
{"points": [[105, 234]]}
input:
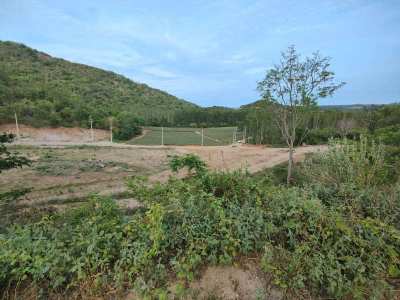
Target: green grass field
{"points": [[186, 136]]}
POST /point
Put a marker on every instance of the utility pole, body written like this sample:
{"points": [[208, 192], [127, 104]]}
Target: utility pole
{"points": [[91, 129], [202, 136], [162, 136], [16, 125]]}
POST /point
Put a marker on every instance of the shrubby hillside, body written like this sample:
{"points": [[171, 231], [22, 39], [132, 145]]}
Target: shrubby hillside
{"points": [[48, 91]]}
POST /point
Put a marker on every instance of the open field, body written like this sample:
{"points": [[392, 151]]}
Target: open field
{"points": [[65, 174], [185, 136], [214, 136], [68, 167]]}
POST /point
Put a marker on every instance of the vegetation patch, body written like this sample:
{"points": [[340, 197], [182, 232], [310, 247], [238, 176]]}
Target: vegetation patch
{"points": [[313, 243]]}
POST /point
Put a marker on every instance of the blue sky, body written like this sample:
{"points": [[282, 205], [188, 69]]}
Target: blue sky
{"points": [[212, 52]]}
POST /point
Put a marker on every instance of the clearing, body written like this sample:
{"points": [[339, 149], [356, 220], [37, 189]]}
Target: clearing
{"points": [[185, 136], [66, 170]]}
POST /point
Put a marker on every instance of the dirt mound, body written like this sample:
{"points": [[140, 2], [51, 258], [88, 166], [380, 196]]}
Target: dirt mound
{"points": [[60, 134]]}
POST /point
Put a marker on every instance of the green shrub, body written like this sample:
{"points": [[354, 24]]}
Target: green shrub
{"points": [[209, 218], [190, 161], [320, 136], [9, 160], [388, 135], [127, 126], [353, 177], [324, 135], [318, 249]]}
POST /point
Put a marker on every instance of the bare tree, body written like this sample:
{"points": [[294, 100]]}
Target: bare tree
{"points": [[293, 87]]}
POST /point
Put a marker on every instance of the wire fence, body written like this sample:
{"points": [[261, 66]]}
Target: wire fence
{"points": [[212, 136], [189, 136]]}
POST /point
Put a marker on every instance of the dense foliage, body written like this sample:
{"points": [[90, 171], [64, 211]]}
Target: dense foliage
{"points": [[9, 160], [127, 126], [322, 237], [209, 117], [47, 91], [380, 122]]}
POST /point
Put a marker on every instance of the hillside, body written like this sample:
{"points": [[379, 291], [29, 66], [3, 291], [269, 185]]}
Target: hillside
{"points": [[48, 91]]}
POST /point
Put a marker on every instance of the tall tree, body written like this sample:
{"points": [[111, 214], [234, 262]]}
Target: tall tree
{"points": [[293, 86]]}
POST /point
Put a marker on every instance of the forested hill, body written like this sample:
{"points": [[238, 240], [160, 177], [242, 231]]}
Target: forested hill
{"points": [[48, 91]]}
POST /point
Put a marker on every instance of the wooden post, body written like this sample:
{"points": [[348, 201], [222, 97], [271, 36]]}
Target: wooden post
{"points": [[91, 129], [16, 125], [162, 136], [244, 138], [202, 136], [111, 130], [233, 136]]}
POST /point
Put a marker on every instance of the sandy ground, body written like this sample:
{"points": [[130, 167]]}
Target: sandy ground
{"points": [[31, 135], [60, 156]]}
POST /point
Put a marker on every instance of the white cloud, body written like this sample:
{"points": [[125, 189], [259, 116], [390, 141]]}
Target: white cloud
{"points": [[159, 72], [255, 70], [239, 58]]}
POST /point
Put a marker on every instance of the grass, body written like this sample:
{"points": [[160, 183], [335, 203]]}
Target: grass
{"points": [[186, 136]]}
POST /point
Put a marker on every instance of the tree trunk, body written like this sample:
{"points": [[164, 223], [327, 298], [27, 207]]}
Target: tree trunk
{"points": [[290, 164]]}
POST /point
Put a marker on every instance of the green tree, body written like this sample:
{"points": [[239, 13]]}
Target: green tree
{"points": [[293, 87], [127, 126]]}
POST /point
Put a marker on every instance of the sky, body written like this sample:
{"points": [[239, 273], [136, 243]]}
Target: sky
{"points": [[213, 52]]}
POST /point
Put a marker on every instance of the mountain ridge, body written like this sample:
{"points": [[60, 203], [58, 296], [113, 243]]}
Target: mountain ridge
{"points": [[47, 90]]}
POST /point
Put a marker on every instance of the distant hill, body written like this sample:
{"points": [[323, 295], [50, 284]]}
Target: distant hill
{"points": [[48, 91], [262, 103], [349, 107]]}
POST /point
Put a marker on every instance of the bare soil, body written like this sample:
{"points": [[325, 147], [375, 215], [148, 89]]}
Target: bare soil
{"points": [[67, 167], [30, 134]]}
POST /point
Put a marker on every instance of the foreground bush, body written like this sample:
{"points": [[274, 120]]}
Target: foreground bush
{"points": [[356, 178], [210, 218]]}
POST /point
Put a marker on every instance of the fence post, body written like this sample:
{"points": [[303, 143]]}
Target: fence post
{"points": [[91, 129], [202, 136], [162, 136], [16, 124], [111, 130], [244, 135]]}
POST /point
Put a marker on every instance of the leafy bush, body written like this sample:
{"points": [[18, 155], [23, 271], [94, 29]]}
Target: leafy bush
{"points": [[9, 160], [127, 126], [359, 163], [318, 249], [389, 135], [320, 136], [355, 178], [324, 135], [207, 218], [190, 161]]}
